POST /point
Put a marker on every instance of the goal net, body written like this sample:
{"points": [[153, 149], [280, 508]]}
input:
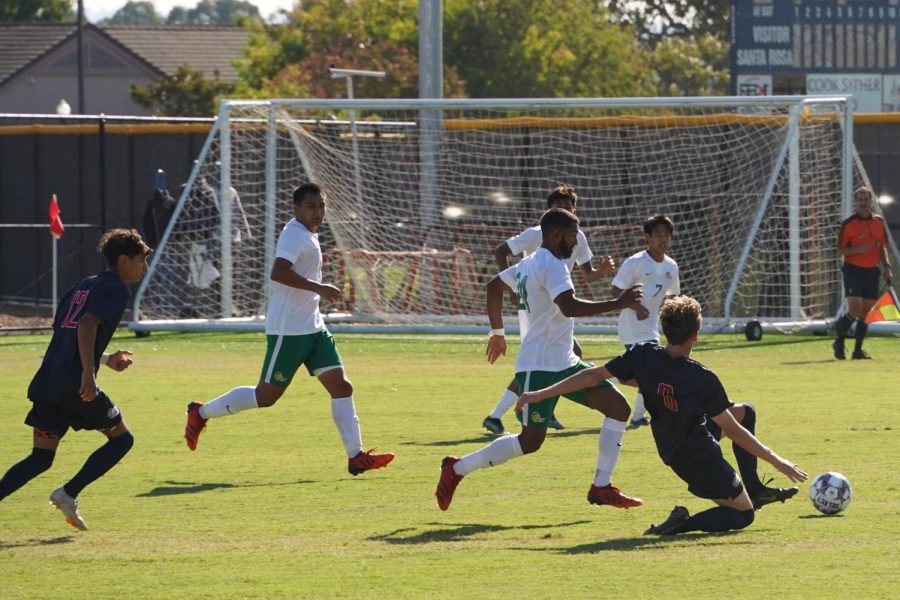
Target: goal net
{"points": [[421, 192]]}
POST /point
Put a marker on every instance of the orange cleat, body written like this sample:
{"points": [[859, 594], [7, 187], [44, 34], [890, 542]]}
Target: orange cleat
{"points": [[195, 425], [447, 483], [612, 496], [366, 461]]}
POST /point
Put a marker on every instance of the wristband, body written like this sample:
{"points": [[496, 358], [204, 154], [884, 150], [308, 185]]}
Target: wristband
{"points": [[501, 332], [105, 358]]}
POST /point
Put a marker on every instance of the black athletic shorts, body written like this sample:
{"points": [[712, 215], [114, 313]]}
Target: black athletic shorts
{"points": [[861, 281], [706, 472], [54, 420]]}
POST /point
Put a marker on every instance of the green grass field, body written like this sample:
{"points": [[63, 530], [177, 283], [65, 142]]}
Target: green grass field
{"points": [[265, 507]]}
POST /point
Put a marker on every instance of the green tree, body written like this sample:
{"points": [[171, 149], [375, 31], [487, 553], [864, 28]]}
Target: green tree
{"points": [[543, 48], [658, 19], [135, 12], [47, 11], [213, 12], [696, 66], [187, 93]]}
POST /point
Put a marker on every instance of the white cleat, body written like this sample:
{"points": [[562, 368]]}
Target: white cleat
{"points": [[69, 507]]}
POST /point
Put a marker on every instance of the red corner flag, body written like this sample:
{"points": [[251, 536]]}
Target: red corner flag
{"points": [[56, 225], [886, 309]]}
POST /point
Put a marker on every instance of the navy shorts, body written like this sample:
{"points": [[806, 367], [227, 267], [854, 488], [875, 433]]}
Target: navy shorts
{"points": [[861, 282], [707, 473], [54, 420]]}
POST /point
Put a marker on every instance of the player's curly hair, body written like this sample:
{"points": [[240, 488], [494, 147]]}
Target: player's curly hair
{"points": [[116, 242], [680, 319], [562, 192]]}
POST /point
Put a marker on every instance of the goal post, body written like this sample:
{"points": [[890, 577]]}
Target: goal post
{"points": [[420, 192]]}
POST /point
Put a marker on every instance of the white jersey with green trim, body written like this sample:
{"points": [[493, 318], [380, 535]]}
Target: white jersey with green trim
{"points": [[547, 343], [659, 279], [294, 311]]}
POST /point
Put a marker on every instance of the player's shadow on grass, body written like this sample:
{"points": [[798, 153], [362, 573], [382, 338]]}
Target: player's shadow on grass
{"points": [[455, 533], [186, 487], [821, 517], [35, 542], [633, 543], [487, 436]]}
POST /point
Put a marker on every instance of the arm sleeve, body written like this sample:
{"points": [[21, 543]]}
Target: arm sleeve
{"points": [[675, 288], [715, 400], [583, 254], [623, 278], [290, 245], [557, 279], [526, 242], [622, 366], [508, 276], [107, 302]]}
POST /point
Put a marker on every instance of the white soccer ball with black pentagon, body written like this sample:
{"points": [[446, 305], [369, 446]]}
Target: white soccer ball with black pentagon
{"points": [[830, 493]]}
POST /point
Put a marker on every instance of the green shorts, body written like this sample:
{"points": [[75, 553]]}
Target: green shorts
{"points": [[285, 354], [538, 415]]}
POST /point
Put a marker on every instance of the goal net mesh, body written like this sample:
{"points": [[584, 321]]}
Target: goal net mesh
{"points": [[419, 199]]}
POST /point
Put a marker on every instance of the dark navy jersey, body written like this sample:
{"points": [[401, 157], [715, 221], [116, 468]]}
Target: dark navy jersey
{"points": [[59, 376], [679, 393]]}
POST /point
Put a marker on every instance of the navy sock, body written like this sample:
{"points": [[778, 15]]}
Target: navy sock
{"points": [[25, 470], [102, 460], [746, 461], [861, 328], [720, 518], [843, 324]]}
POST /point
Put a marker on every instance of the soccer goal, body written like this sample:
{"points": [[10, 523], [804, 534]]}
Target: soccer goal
{"points": [[420, 192]]}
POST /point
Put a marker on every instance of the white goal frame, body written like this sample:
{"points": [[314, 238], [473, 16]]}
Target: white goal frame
{"points": [[429, 123]]}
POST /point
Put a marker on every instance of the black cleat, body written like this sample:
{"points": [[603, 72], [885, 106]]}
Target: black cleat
{"points": [[769, 495], [553, 423], [860, 355], [636, 423], [493, 425], [838, 347], [677, 518]]}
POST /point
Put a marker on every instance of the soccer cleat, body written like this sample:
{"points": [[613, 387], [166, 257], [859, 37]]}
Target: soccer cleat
{"points": [[553, 423], [493, 425], [860, 355], [769, 495], [838, 347], [447, 483], [613, 496], [366, 461], [69, 507], [635, 423], [195, 424], [677, 518]]}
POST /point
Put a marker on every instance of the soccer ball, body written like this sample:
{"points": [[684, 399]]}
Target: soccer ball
{"points": [[830, 493]]}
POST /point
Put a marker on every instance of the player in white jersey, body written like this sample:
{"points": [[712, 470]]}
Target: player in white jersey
{"points": [[658, 274], [527, 243], [296, 335], [546, 294]]}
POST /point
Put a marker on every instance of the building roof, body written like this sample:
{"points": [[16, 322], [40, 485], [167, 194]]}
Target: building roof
{"points": [[206, 48]]}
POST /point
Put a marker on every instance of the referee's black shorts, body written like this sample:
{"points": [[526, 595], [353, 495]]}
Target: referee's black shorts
{"points": [[706, 472], [861, 282]]}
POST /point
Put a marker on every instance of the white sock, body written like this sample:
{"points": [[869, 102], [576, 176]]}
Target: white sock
{"points": [[344, 414], [230, 403], [496, 453], [507, 401], [610, 445], [639, 410]]}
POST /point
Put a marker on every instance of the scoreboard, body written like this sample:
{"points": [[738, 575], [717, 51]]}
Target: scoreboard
{"points": [[818, 47]]}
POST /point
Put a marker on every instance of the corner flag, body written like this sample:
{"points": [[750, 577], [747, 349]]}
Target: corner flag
{"points": [[56, 224], [886, 309]]}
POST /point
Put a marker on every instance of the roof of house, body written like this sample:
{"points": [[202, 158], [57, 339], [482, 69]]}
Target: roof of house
{"points": [[206, 48]]}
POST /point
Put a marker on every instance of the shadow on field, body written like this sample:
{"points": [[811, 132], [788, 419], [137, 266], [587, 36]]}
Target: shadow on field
{"points": [[186, 487], [634, 543], [808, 362], [821, 517], [35, 542], [488, 436], [453, 533]]}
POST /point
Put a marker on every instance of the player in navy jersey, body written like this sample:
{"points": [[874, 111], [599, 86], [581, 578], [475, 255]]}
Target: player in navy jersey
{"points": [[64, 390], [682, 397]]}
